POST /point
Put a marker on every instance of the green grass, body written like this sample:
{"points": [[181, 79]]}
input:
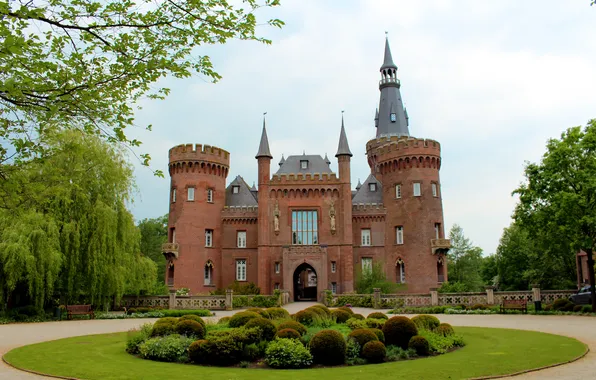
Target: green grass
{"points": [[488, 352]]}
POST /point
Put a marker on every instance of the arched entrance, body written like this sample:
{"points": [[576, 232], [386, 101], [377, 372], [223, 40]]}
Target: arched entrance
{"points": [[305, 283]]}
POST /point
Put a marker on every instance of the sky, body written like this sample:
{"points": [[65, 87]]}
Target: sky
{"points": [[492, 81]]}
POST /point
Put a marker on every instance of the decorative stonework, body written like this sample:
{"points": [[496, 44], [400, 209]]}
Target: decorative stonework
{"points": [[332, 217], [170, 250], [276, 218], [440, 245]]}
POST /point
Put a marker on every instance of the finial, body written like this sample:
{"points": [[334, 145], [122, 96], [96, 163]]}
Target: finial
{"points": [[386, 34], [304, 152]]}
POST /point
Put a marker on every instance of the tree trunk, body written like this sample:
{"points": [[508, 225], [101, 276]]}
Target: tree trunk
{"points": [[591, 278]]}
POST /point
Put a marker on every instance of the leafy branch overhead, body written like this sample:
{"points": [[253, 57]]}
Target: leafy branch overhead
{"points": [[83, 64]]}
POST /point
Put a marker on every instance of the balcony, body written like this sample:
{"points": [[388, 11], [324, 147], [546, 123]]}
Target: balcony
{"points": [[170, 250], [440, 245]]}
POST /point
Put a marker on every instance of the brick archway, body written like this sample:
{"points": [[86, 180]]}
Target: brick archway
{"points": [[317, 259]]}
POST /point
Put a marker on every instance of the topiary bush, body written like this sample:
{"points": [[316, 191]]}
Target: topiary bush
{"points": [[220, 351], [324, 308], [420, 344], [562, 305], [577, 308], [347, 309], [358, 316], [224, 320], [267, 327], [287, 353], [262, 312], [251, 352], [164, 326], [445, 329], [398, 331], [340, 315], [193, 317], [169, 320], [240, 319], [306, 317], [190, 328], [171, 348], [292, 325], [587, 309], [374, 351], [136, 337], [548, 308], [425, 321], [354, 324], [362, 336], [378, 315], [375, 323], [379, 334], [479, 306], [198, 351], [278, 313], [328, 347], [288, 334], [318, 312]]}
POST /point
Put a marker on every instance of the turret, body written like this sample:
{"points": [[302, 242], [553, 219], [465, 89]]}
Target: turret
{"points": [[264, 172]]}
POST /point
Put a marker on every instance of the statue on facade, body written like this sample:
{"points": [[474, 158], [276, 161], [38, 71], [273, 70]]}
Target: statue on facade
{"points": [[276, 217], [332, 217]]}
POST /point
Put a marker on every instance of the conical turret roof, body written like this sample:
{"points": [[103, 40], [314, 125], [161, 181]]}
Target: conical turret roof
{"points": [[343, 149], [264, 145]]}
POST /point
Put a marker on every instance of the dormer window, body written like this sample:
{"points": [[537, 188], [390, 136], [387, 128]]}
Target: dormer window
{"points": [[393, 117], [235, 189], [303, 164], [372, 187]]}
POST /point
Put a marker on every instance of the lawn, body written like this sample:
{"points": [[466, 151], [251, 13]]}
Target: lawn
{"points": [[487, 352]]}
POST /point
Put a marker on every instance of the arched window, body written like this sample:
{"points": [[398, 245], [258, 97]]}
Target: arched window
{"points": [[440, 270], [170, 280], [401, 271], [209, 273]]}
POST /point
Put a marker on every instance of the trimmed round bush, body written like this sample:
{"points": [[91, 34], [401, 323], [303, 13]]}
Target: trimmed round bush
{"points": [[340, 315], [577, 308], [240, 319], [318, 312], [278, 313], [548, 308], [221, 351], [587, 309], [267, 327], [375, 323], [292, 325], [479, 306], [287, 353], [193, 317], [324, 308], [170, 320], [224, 320], [358, 316], [398, 331], [347, 309], [562, 305], [354, 324], [379, 334], [374, 351], [425, 321], [198, 351], [378, 315], [328, 347], [445, 329], [420, 344], [306, 317], [163, 328], [362, 336], [262, 312], [288, 334], [190, 328]]}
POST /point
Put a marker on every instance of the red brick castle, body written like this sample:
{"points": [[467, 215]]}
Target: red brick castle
{"points": [[304, 229]]}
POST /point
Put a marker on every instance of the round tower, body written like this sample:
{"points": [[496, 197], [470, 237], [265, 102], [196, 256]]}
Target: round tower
{"points": [[197, 197]]}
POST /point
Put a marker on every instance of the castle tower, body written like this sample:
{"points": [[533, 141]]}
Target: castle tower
{"points": [[264, 175], [408, 169], [197, 197], [344, 156]]}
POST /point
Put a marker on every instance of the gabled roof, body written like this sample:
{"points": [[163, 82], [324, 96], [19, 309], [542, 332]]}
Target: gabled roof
{"points": [[364, 195], [316, 164], [245, 196]]}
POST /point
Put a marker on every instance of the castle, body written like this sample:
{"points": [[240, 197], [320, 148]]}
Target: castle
{"points": [[304, 229]]}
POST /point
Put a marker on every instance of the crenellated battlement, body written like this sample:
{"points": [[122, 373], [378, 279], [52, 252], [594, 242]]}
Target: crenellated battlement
{"points": [[292, 178], [368, 207], [240, 214], [239, 209], [199, 152], [387, 144], [400, 153]]}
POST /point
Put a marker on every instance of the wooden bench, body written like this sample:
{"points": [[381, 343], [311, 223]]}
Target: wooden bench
{"points": [[79, 310], [521, 305]]}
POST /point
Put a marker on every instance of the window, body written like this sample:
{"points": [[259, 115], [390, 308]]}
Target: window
{"points": [[208, 273], [434, 188], [241, 270], [303, 164], [334, 287], [437, 230], [210, 195], [372, 187], [235, 189], [277, 268], [416, 189], [276, 286], [399, 235], [365, 237], [333, 267], [173, 234], [191, 194], [401, 271], [208, 238], [304, 228], [174, 195], [398, 191], [241, 238], [366, 264]]}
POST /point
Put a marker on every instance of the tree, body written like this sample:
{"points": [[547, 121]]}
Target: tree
{"points": [[489, 270], [83, 64], [558, 198], [374, 277], [513, 259], [154, 232], [465, 260]]}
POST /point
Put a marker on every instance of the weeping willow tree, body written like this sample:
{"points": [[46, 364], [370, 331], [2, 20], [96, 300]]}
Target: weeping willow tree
{"points": [[65, 229]]}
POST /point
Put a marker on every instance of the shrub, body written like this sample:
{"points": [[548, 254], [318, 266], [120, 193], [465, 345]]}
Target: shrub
{"points": [[193, 317], [242, 334], [420, 344], [395, 353], [278, 313], [198, 351], [353, 350], [288, 334], [263, 313], [562, 305], [354, 324], [358, 316], [379, 334], [136, 337], [163, 328], [292, 325], [548, 307], [180, 313], [328, 347], [287, 353], [378, 315], [318, 312], [445, 329], [240, 319], [441, 344], [425, 321], [267, 327], [263, 301], [362, 336], [375, 323], [347, 309], [223, 351], [324, 308], [224, 320], [479, 306], [171, 348], [577, 308], [398, 331], [190, 328], [168, 320], [306, 317], [340, 315], [374, 351], [587, 309], [251, 352]]}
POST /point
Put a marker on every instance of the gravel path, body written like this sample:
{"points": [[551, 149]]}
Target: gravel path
{"points": [[582, 328]]}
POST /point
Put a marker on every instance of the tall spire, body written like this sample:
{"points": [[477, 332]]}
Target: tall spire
{"points": [[388, 59], [377, 118], [343, 149], [281, 162], [264, 145]]}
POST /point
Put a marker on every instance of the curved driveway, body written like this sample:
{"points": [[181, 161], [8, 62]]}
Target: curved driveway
{"points": [[581, 328]]}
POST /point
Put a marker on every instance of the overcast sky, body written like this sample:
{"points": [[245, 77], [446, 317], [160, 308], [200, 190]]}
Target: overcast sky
{"points": [[490, 80]]}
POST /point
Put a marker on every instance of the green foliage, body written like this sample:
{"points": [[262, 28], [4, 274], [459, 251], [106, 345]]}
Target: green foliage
{"points": [[420, 310], [198, 351], [328, 347], [324, 308], [154, 233], [242, 335], [278, 313], [563, 305], [171, 348], [221, 351], [398, 331], [346, 309], [420, 345], [353, 351], [305, 317], [514, 259], [586, 309], [354, 323], [318, 312], [193, 317], [288, 334], [440, 344], [263, 301], [136, 337], [465, 261], [224, 320], [379, 334], [292, 325], [375, 277], [162, 329], [375, 323], [453, 287], [190, 328], [395, 353], [180, 313], [251, 352], [341, 316], [378, 315], [265, 325], [362, 336], [355, 301], [374, 351], [445, 329], [287, 353], [240, 319], [263, 313], [425, 321]]}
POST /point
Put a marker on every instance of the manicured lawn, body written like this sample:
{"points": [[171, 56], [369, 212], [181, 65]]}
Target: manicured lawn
{"points": [[488, 352]]}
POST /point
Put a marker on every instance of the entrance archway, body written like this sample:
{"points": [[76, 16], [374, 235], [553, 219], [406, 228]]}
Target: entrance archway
{"points": [[305, 283]]}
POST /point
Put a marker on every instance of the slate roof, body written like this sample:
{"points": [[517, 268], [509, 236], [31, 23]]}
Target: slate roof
{"points": [[343, 149], [264, 145], [316, 164], [364, 195], [245, 196]]}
